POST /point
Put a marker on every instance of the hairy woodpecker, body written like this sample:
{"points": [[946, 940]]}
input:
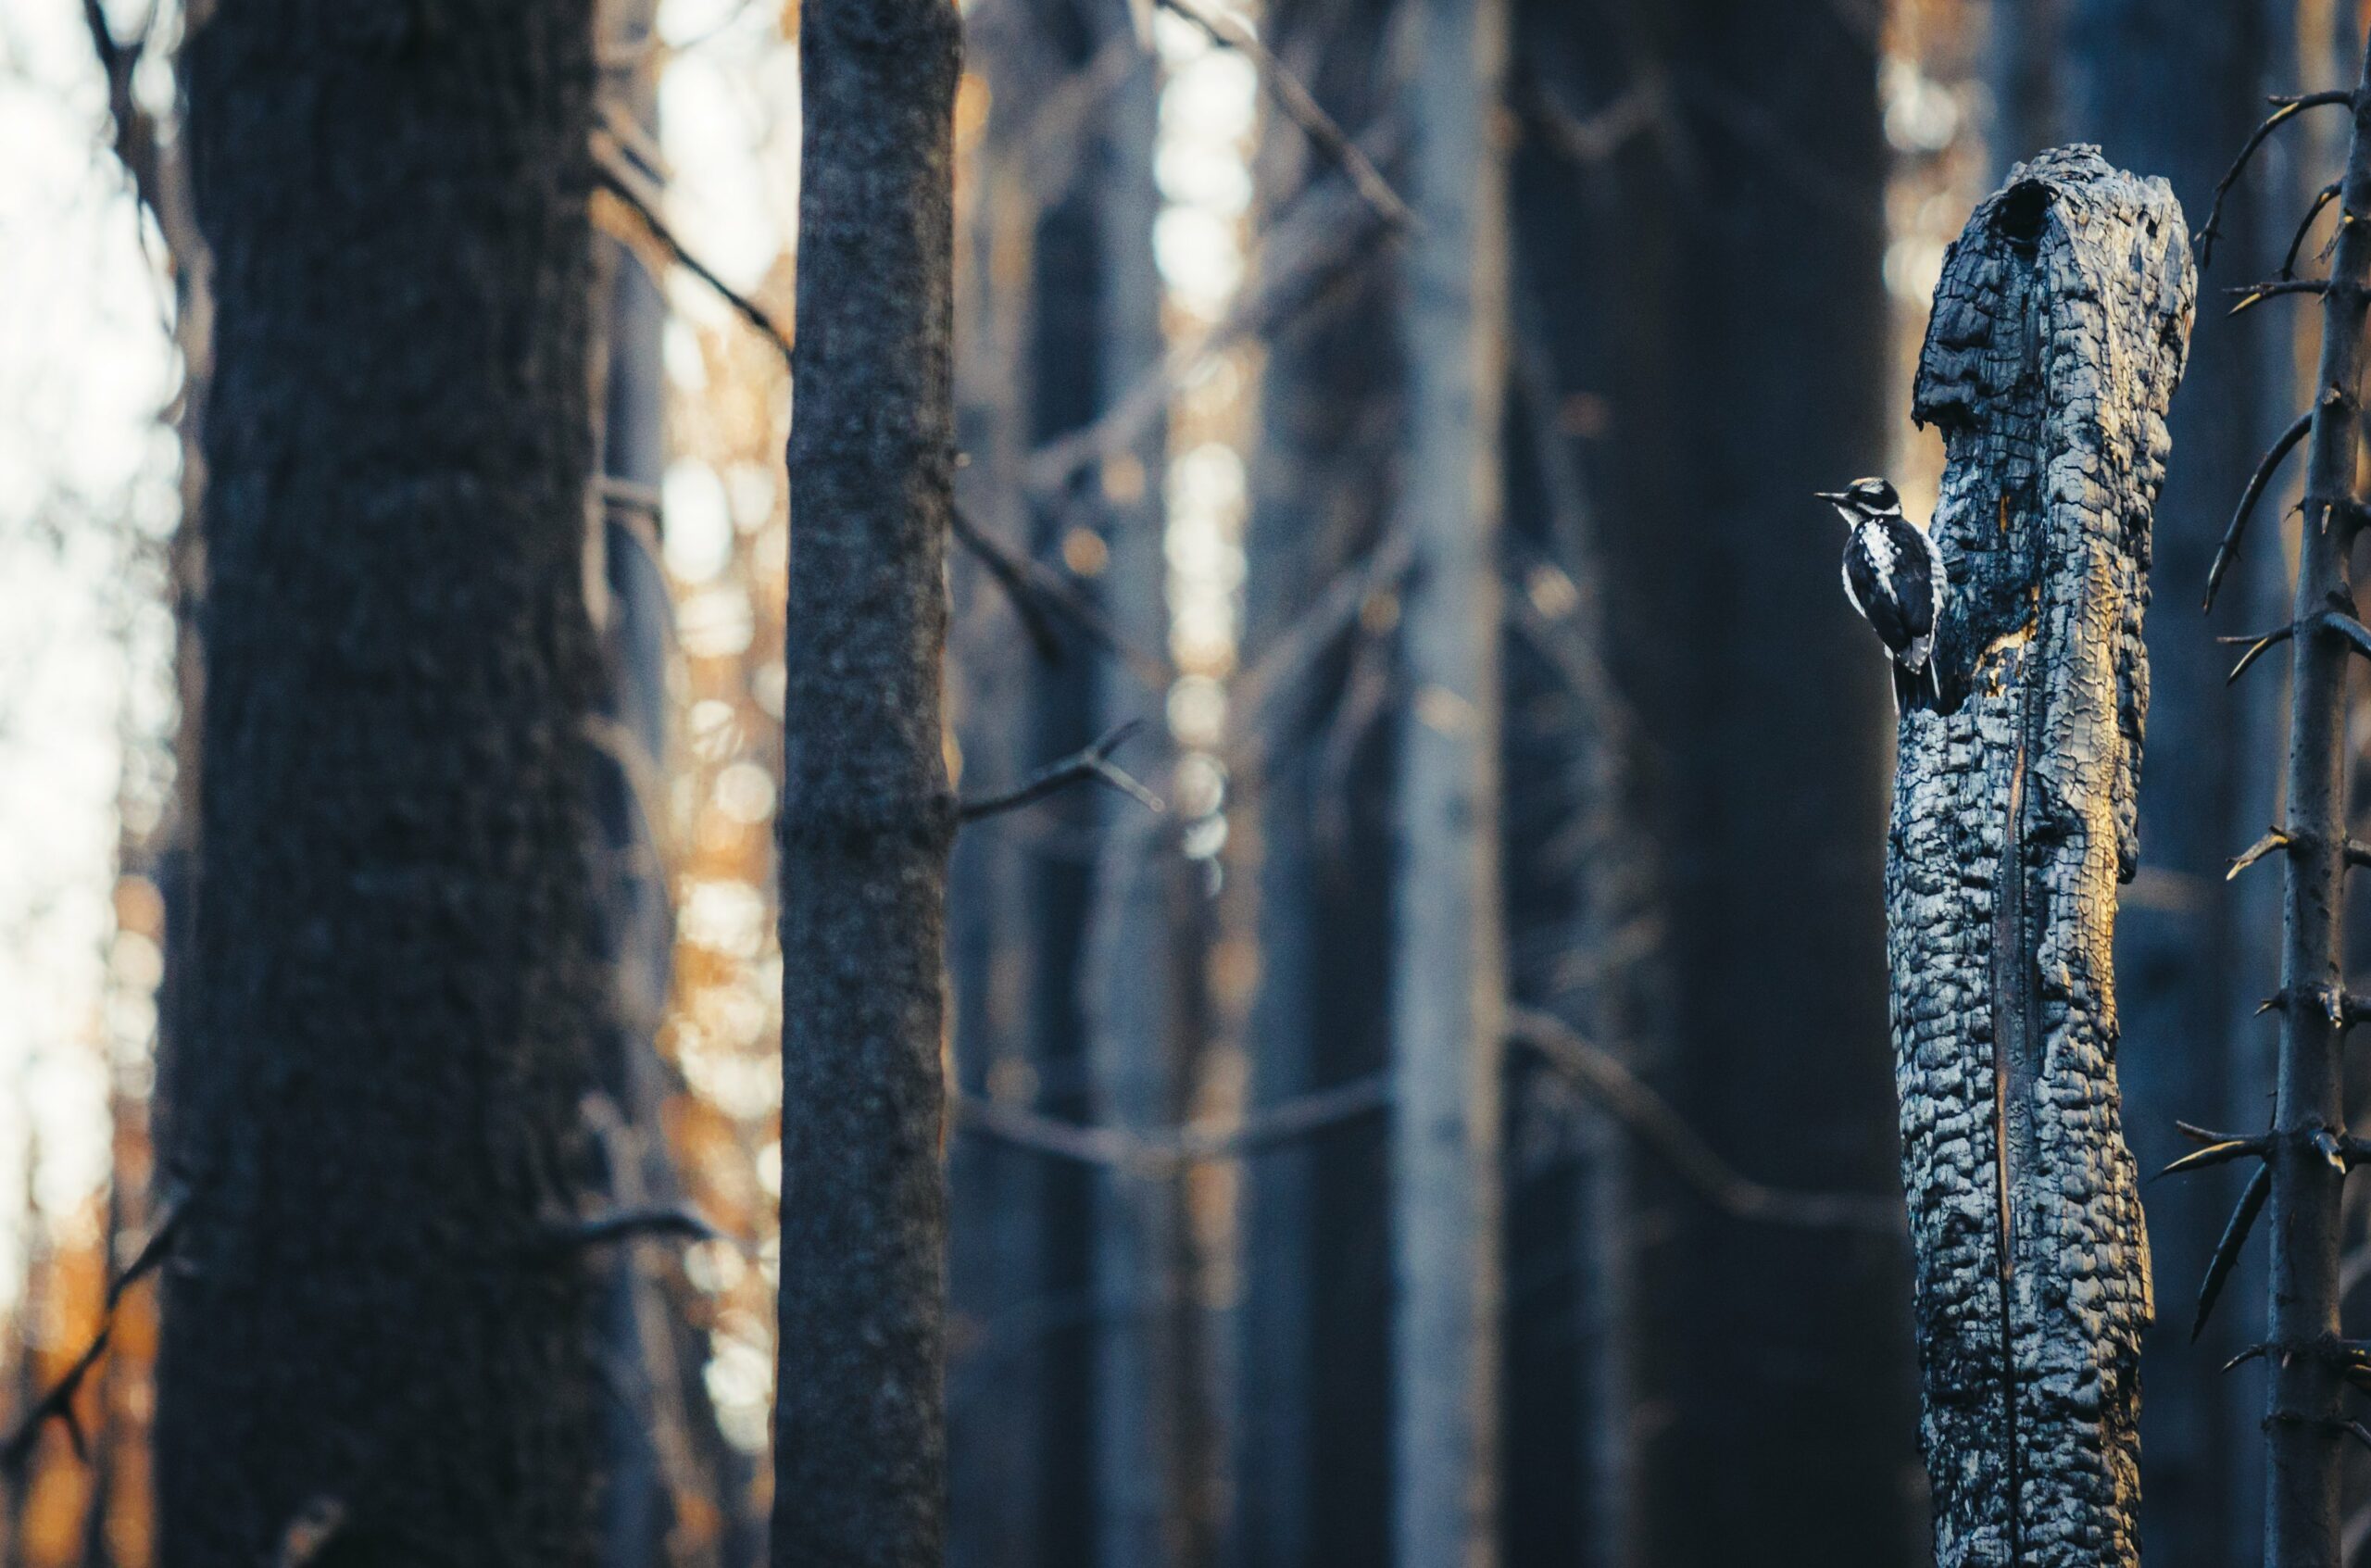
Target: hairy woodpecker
{"points": [[1893, 574]]}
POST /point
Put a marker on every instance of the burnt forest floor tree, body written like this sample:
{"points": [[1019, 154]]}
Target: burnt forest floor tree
{"points": [[377, 1333], [2059, 332], [2302, 1160]]}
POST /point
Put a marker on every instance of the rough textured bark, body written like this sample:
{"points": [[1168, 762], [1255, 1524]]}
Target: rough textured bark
{"points": [[867, 815], [1137, 977], [1310, 1437], [2058, 335], [373, 1339], [1448, 957], [2176, 93]]}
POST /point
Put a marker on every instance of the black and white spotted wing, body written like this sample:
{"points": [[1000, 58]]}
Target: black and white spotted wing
{"points": [[1893, 573]]}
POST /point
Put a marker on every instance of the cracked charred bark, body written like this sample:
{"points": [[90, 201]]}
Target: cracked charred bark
{"points": [[2058, 337], [867, 815], [393, 1002]]}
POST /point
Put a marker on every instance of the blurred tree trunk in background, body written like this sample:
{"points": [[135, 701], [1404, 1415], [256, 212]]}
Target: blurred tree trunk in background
{"points": [[2175, 93], [1311, 1438], [1140, 984], [867, 816], [1731, 217], [1448, 952], [675, 1488], [1022, 1378], [377, 1336]]}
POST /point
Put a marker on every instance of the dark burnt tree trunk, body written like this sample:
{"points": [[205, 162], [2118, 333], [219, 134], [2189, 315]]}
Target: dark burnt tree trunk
{"points": [[2175, 94], [375, 1331], [2058, 335], [867, 815], [1309, 1435], [1777, 1359]]}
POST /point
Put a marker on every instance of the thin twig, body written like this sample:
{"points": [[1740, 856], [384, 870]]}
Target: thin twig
{"points": [[2322, 198], [1092, 763], [1651, 1119], [1033, 589], [2254, 294], [1155, 1150], [2289, 108], [2229, 550], [628, 1224], [621, 179], [58, 1404], [1302, 109]]}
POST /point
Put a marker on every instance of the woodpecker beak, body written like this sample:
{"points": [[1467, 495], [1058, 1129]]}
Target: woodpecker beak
{"points": [[1838, 497]]}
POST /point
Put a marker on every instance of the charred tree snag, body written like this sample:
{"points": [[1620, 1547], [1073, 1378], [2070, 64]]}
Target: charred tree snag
{"points": [[2306, 1156], [2058, 335], [368, 1342], [867, 815], [1448, 961]]}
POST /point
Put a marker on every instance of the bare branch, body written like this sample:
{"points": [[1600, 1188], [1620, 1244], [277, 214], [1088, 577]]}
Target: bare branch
{"points": [[1302, 109], [1033, 589], [2229, 550], [1654, 1123], [2274, 839], [2321, 199], [629, 1224], [58, 1404], [2227, 1251], [1092, 764], [2221, 1152], [2287, 109], [2254, 294], [1154, 1151], [620, 178]]}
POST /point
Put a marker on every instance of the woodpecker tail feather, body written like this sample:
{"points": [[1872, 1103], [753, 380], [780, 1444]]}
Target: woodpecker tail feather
{"points": [[1905, 689]]}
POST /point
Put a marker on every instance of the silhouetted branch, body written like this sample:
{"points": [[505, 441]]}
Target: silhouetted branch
{"points": [[627, 1224], [2287, 109], [1650, 1117], [2227, 1251], [1092, 763], [1303, 109], [2229, 550], [621, 179], [58, 1404], [2254, 294], [2321, 199], [1153, 1151], [1034, 589]]}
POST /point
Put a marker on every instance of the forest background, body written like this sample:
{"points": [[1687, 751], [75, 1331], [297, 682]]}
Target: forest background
{"points": [[1183, 505]]}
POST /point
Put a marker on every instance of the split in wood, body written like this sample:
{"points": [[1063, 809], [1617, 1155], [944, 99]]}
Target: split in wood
{"points": [[2286, 110], [1092, 764], [2229, 550], [2227, 1251]]}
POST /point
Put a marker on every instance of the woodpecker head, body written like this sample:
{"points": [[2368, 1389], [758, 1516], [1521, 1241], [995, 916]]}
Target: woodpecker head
{"points": [[1863, 500]]}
